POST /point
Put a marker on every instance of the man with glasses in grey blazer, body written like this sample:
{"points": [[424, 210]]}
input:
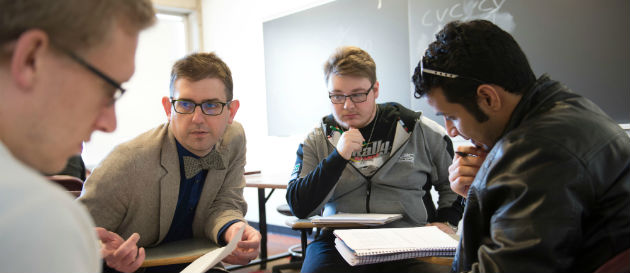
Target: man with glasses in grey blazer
{"points": [[183, 179]]}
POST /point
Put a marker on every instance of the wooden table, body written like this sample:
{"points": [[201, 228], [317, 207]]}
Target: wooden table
{"points": [[178, 252], [306, 224], [263, 181], [437, 260]]}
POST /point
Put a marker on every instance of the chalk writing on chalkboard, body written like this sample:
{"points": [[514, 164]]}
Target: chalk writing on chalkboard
{"points": [[467, 10]]}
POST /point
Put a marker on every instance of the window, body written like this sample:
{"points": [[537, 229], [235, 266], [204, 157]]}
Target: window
{"points": [[140, 109]]}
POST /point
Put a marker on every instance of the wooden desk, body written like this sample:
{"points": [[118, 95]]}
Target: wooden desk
{"points": [[306, 224], [178, 252], [265, 181], [437, 260]]}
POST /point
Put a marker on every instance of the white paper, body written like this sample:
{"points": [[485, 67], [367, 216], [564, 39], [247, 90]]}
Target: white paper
{"points": [[359, 218], [205, 262], [408, 239]]}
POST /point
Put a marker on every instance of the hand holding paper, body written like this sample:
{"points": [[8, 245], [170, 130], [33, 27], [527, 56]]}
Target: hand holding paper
{"points": [[248, 247], [211, 258]]}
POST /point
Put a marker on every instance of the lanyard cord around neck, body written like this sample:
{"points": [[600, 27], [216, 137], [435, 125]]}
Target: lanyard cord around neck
{"points": [[373, 126]]}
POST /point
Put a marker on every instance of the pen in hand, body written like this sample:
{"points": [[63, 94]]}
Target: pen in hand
{"points": [[462, 154]]}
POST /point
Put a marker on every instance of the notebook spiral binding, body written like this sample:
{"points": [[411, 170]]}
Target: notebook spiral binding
{"points": [[406, 250], [403, 255]]}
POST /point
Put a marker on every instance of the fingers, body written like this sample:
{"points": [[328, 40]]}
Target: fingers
{"points": [[251, 234], [461, 186], [128, 247], [350, 141], [231, 230], [133, 266], [137, 263], [462, 173], [353, 136], [250, 240], [110, 241], [457, 169], [101, 233], [247, 249], [472, 150], [232, 259], [444, 228], [248, 244], [241, 256], [125, 257], [104, 235]]}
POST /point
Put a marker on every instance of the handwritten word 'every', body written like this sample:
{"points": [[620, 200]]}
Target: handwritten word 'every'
{"points": [[461, 11]]}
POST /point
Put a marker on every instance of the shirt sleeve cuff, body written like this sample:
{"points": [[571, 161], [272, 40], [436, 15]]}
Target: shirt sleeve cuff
{"points": [[220, 239]]}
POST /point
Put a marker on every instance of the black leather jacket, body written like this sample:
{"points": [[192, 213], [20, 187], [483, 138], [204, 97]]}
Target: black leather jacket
{"points": [[553, 195]]}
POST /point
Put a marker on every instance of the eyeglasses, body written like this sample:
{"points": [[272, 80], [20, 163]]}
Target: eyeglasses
{"points": [[210, 108], [119, 90], [354, 97]]}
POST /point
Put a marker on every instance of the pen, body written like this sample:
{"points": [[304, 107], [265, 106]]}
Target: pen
{"points": [[336, 129], [341, 131], [462, 154]]}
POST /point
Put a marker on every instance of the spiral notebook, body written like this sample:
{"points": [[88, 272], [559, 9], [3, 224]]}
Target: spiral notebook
{"points": [[368, 246]]}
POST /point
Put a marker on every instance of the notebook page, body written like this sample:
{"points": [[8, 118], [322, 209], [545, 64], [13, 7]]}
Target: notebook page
{"points": [[395, 239], [205, 262], [357, 217]]}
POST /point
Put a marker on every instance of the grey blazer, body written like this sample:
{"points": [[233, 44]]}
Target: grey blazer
{"points": [[136, 187]]}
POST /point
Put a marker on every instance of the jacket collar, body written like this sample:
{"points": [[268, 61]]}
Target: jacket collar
{"points": [[536, 99], [169, 184]]}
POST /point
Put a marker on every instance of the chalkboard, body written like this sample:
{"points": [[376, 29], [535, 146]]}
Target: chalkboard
{"points": [[584, 44], [297, 45]]}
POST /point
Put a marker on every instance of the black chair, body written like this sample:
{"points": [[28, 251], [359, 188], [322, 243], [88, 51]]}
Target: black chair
{"points": [[297, 251]]}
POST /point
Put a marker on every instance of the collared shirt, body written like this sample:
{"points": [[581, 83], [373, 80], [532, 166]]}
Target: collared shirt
{"points": [[189, 194]]}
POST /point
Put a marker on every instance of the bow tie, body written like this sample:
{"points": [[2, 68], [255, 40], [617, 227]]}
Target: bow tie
{"points": [[192, 166]]}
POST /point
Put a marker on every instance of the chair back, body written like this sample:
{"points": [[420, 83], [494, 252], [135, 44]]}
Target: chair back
{"points": [[72, 184], [617, 264]]}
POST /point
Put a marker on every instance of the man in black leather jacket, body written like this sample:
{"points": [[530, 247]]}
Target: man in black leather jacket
{"points": [[553, 193]]}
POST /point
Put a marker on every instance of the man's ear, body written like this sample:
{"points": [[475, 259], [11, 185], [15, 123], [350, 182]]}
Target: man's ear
{"points": [[488, 98], [28, 50], [166, 103], [375, 89], [232, 108]]}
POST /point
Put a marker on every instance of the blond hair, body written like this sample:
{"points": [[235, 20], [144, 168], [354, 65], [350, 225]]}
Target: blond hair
{"points": [[350, 61], [72, 24]]}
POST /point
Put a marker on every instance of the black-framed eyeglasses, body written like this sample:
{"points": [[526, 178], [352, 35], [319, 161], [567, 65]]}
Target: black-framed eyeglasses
{"points": [[119, 90], [354, 97], [210, 108]]}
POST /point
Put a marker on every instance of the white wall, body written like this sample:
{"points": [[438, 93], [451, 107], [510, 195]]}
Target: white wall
{"points": [[233, 29], [140, 109]]}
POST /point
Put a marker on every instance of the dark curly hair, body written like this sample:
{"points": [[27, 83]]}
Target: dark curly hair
{"points": [[479, 52]]}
